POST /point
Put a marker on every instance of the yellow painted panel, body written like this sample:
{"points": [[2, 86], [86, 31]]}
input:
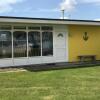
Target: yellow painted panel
{"points": [[78, 46]]}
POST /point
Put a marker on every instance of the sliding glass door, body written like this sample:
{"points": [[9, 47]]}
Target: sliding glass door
{"points": [[20, 44], [47, 43], [5, 44], [23, 41], [34, 43]]}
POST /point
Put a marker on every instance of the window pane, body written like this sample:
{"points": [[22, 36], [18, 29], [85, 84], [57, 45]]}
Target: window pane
{"points": [[20, 44], [34, 44], [5, 27], [5, 44], [33, 28], [47, 43], [47, 28], [20, 27]]}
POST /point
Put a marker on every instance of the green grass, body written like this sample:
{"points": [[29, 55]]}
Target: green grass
{"points": [[67, 84]]}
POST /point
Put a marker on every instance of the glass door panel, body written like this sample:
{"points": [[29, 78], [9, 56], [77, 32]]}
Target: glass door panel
{"points": [[47, 43], [34, 44], [20, 44], [5, 44]]}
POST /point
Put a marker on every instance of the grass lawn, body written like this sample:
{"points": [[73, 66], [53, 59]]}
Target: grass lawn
{"points": [[67, 84]]}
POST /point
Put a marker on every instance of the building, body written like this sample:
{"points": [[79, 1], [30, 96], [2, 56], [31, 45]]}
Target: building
{"points": [[25, 41]]}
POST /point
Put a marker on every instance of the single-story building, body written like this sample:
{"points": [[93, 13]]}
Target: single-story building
{"points": [[25, 41]]}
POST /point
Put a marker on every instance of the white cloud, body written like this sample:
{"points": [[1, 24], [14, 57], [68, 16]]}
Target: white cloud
{"points": [[98, 19], [91, 1], [6, 5], [68, 5], [64, 17]]}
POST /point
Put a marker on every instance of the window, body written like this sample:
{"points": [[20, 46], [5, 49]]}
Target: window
{"points": [[40, 41], [34, 28], [5, 27], [20, 27], [34, 45], [47, 43], [48, 28], [20, 44], [5, 44]]}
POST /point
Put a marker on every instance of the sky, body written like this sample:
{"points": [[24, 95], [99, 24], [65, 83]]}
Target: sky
{"points": [[74, 9]]}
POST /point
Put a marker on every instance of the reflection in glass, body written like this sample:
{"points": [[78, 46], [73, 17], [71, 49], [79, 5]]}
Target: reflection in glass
{"points": [[20, 44], [5, 44], [34, 45], [47, 43]]}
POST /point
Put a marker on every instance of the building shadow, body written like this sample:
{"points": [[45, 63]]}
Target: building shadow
{"points": [[53, 66], [59, 66]]}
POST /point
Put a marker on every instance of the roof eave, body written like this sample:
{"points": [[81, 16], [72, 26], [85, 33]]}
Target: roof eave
{"points": [[47, 21]]}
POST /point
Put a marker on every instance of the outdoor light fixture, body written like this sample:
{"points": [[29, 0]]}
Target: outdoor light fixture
{"points": [[85, 36]]}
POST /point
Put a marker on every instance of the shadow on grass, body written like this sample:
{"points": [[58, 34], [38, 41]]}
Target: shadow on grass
{"points": [[59, 66], [54, 66]]}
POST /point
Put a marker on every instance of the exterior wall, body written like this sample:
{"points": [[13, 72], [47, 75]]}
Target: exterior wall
{"points": [[78, 46]]}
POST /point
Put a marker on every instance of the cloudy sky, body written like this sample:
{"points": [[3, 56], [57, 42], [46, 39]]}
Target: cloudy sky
{"points": [[74, 9]]}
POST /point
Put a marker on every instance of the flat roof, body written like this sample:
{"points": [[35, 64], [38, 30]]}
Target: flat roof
{"points": [[47, 20]]}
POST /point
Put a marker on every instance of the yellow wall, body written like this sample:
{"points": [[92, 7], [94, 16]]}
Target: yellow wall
{"points": [[77, 45]]}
